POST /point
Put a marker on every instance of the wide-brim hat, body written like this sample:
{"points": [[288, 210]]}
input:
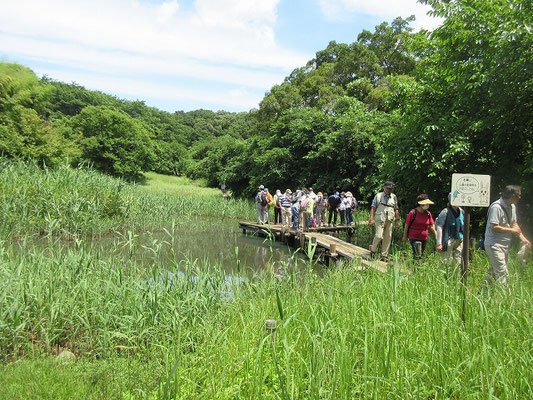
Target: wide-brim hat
{"points": [[288, 191], [425, 201]]}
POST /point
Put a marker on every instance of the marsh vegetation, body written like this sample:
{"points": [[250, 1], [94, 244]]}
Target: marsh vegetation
{"points": [[147, 322]]}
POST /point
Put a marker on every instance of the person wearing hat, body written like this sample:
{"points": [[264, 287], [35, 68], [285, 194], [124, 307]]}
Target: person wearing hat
{"points": [[286, 212], [342, 208], [261, 201], [450, 225], [383, 212], [349, 206], [418, 223]]}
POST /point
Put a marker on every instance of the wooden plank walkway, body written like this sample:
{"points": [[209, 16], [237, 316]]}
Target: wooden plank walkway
{"points": [[334, 247]]}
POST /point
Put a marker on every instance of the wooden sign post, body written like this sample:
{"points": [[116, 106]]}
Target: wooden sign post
{"points": [[469, 190]]}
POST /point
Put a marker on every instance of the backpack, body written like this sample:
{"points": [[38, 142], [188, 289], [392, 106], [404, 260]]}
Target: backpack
{"points": [[304, 203], [413, 220], [262, 199]]}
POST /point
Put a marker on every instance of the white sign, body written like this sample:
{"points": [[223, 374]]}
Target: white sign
{"points": [[470, 190]]}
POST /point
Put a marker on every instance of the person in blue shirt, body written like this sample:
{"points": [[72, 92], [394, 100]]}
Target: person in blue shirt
{"points": [[450, 226]]}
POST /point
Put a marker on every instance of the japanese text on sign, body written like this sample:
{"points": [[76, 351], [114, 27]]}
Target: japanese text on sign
{"points": [[470, 190]]}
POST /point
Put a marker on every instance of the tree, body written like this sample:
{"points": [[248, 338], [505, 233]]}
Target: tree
{"points": [[113, 142], [212, 157], [470, 108], [390, 45], [23, 133]]}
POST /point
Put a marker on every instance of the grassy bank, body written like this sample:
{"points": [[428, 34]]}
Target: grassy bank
{"points": [[74, 202]]}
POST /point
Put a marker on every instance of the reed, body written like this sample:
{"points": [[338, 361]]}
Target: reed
{"points": [[76, 201], [343, 335], [161, 327]]}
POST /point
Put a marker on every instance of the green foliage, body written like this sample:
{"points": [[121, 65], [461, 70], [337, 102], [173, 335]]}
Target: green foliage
{"points": [[113, 141], [78, 201], [23, 133], [390, 44], [210, 158], [320, 127], [68, 99], [410, 107], [469, 108], [345, 334]]}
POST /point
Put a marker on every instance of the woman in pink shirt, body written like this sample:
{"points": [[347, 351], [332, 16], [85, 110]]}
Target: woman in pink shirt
{"points": [[418, 223]]}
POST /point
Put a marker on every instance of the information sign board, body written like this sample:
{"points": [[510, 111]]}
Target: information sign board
{"points": [[470, 190]]}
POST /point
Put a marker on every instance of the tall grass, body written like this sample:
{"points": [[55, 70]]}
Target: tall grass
{"points": [[340, 336], [73, 201], [181, 330]]}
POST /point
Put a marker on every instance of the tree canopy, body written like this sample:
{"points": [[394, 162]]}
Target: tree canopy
{"points": [[392, 105]]}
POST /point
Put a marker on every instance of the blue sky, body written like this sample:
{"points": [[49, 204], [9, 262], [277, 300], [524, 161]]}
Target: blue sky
{"points": [[185, 54]]}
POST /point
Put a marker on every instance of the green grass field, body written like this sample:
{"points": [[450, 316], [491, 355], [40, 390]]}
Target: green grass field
{"points": [[176, 185]]}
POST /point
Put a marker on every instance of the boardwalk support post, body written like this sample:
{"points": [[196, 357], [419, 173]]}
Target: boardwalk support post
{"points": [[332, 255]]}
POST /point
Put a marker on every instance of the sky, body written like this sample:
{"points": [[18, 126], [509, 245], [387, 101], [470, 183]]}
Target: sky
{"points": [[185, 54]]}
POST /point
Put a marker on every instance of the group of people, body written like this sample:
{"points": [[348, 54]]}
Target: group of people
{"points": [[304, 208], [448, 230]]}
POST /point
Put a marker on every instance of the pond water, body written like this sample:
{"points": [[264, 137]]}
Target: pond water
{"points": [[202, 239]]}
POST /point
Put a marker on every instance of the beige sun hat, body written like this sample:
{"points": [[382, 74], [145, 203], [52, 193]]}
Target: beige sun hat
{"points": [[425, 200]]}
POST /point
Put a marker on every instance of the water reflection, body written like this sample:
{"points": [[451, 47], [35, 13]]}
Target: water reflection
{"points": [[195, 238]]}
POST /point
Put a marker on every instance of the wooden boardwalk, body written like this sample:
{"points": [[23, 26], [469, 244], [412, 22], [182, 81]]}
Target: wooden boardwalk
{"points": [[333, 247]]}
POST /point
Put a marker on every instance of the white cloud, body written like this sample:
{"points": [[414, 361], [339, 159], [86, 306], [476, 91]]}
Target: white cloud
{"points": [[118, 62], [234, 32], [167, 10], [386, 9], [172, 94], [229, 42]]}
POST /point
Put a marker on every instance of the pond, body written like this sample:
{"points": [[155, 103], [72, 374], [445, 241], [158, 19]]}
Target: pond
{"points": [[206, 240]]}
